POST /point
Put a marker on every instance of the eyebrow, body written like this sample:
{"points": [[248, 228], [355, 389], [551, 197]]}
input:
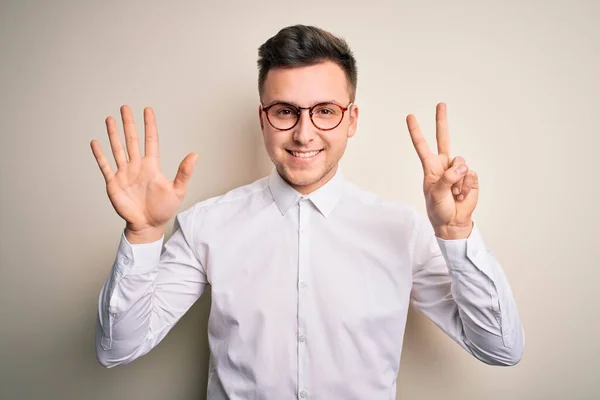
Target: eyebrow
{"points": [[294, 104]]}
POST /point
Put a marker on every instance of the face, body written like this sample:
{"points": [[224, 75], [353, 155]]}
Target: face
{"points": [[306, 156]]}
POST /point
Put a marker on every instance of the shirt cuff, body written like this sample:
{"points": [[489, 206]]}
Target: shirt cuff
{"points": [[461, 254], [137, 257]]}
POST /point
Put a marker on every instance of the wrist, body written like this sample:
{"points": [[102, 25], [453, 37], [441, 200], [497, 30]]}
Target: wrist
{"points": [[147, 235], [454, 232]]}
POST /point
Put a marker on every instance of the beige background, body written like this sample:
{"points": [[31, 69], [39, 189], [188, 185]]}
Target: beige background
{"points": [[521, 83]]}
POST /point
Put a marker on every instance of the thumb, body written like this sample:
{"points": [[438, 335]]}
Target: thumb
{"points": [[184, 174], [451, 176]]}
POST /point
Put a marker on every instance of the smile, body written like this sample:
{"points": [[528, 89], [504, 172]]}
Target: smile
{"points": [[304, 154]]}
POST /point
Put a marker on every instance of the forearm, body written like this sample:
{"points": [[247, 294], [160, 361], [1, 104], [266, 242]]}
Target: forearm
{"points": [[486, 309], [125, 307], [462, 288], [148, 290]]}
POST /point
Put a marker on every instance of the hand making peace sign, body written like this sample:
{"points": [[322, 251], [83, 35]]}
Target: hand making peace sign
{"points": [[451, 189]]}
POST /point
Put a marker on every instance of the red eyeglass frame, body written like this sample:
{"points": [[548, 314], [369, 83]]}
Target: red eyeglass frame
{"points": [[310, 113]]}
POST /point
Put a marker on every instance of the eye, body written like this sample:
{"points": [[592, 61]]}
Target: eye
{"points": [[326, 110], [284, 111]]}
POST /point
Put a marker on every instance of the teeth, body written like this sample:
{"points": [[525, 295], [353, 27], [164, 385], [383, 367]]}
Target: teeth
{"points": [[305, 155]]}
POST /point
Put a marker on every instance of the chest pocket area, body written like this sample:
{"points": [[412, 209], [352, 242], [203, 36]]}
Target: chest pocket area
{"points": [[361, 292]]}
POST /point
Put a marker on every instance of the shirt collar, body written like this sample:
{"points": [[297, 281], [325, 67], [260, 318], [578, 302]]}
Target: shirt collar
{"points": [[324, 198]]}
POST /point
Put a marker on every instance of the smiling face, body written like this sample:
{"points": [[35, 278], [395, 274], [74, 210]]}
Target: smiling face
{"points": [[306, 156]]}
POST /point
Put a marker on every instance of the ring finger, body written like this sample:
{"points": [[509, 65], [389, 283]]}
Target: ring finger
{"points": [[115, 142], [457, 187]]}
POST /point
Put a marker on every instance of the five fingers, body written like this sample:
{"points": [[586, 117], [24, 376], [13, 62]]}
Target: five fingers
{"points": [[131, 140]]}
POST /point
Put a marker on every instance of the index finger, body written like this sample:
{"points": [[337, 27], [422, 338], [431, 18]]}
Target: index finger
{"points": [[421, 146]]}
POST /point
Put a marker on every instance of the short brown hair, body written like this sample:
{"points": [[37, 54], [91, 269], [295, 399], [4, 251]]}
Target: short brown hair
{"points": [[301, 45]]}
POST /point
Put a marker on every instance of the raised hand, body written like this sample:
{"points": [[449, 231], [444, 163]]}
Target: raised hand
{"points": [[451, 189], [139, 191]]}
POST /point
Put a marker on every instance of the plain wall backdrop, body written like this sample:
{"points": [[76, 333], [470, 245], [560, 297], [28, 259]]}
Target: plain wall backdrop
{"points": [[520, 79]]}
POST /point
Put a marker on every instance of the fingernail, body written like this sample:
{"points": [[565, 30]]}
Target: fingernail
{"points": [[461, 169], [461, 197], [455, 190]]}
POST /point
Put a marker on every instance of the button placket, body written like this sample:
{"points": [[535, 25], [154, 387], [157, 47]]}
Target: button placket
{"points": [[303, 265]]}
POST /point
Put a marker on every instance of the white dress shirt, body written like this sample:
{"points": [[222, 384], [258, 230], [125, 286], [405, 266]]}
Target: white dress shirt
{"points": [[309, 293]]}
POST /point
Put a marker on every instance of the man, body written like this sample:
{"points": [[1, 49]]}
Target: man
{"points": [[311, 276]]}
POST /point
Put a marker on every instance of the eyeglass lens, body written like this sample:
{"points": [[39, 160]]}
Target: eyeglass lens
{"points": [[324, 116]]}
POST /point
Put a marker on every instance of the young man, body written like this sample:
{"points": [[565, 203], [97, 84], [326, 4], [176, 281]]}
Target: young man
{"points": [[311, 276]]}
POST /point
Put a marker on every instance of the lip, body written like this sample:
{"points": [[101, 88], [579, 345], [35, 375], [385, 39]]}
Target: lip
{"points": [[303, 160]]}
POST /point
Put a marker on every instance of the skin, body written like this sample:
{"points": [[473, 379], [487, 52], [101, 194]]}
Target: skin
{"points": [[304, 87], [450, 195], [146, 199], [139, 191]]}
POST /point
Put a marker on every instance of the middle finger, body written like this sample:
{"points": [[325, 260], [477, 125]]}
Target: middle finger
{"points": [[131, 136]]}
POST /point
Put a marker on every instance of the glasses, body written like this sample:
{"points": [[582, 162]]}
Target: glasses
{"points": [[324, 116]]}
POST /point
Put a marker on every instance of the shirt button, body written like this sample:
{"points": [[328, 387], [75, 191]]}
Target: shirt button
{"points": [[302, 284], [302, 338], [126, 261], [303, 394]]}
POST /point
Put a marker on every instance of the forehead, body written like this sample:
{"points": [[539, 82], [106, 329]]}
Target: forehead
{"points": [[307, 85]]}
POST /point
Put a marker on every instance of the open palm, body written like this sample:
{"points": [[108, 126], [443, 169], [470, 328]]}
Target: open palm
{"points": [[139, 191]]}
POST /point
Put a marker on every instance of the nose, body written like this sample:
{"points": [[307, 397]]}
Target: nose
{"points": [[304, 131]]}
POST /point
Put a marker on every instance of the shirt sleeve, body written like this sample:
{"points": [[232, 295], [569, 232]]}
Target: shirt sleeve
{"points": [[147, 291], [461, 287]]}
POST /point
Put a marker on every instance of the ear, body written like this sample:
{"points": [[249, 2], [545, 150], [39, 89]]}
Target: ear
{"points": [[353, 120], [262, 125]]}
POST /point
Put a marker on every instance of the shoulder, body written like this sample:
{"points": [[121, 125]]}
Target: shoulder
{"points": [[238, 199], [389, 219], [372, 202]]}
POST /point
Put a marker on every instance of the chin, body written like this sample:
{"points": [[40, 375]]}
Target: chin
{"points": [[306, 178], [303, 177]]}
